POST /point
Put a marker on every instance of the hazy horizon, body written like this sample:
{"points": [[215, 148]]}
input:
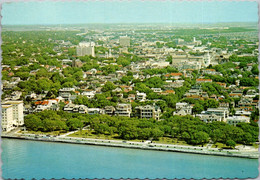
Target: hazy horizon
{"points": [[190, 23], [129, 12]]}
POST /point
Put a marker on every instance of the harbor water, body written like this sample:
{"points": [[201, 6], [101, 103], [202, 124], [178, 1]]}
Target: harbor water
{"points": [[32, 159]]}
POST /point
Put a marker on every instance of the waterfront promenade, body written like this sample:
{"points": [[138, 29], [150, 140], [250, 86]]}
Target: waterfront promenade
{"points": [[243, 152]]}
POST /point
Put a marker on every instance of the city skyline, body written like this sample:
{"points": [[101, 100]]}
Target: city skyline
{"points": [[45, 13]]}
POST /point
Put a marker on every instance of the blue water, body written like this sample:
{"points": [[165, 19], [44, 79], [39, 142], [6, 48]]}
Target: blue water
{"points": [[32, 159]]}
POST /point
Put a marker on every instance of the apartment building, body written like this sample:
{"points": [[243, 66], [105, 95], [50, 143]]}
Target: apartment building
{"points": [[183, 109], [51, 104], [17, 111], [92, 111], [214, 114], [86, 48], [7, 118], [73, 108], [148, 111], [123, 110], [109, 110]]}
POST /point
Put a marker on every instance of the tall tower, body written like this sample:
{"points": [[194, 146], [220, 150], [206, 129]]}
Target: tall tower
{"points": [[207, 59], [110, 53]]}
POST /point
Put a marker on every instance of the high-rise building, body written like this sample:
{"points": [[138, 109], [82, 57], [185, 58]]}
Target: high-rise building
{"points": [[7, 118], [17, 111], [12, 113], [124, 41], [86, 48]]}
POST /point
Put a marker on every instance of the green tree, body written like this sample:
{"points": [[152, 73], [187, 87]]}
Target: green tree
{"points": [[231, 143], [109, 86], [255, 69], [74, 124], [32, 122], [200, 138]]}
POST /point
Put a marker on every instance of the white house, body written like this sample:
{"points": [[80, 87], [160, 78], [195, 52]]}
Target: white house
{"points": [[140, 96], [234, 120], [183, 109], [89, 94]]}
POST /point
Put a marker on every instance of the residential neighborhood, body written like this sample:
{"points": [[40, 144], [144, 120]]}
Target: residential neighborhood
{"points": [[130, 89], [144, 74]]}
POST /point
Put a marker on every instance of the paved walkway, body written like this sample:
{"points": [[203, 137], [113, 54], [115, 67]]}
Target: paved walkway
{"points": [[12, 132], [64, 135]]}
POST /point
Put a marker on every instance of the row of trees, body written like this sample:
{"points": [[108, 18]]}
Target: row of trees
{"points": [[187, 128]]}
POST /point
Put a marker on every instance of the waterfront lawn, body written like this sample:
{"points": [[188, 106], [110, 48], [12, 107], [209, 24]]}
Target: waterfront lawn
{"points": [[91, 134], [167, 140], [220, 146]]}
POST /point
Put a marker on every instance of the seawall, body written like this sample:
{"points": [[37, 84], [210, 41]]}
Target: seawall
{"points": [[143, 146]]}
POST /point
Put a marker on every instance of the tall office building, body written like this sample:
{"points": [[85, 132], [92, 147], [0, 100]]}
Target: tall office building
{"points": [[124, 41], [86, 48]]}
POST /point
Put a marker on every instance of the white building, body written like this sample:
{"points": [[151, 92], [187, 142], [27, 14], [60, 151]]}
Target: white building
{"points": [[7, 118], [183, 109], [89, 94], [93, 111], [86, 48], [74, 108], [141, 96], [214, 114], [156, 90], [123, 110], [160, 64], [244, 113], [51, 104], [148, 111], [234, 120], [17, 111]]}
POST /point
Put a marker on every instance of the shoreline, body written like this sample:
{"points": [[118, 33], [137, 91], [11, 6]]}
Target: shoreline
{"points": [[138, 145]]}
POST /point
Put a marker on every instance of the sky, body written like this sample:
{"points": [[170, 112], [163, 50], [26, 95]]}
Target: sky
{"points": [[128, 11]]}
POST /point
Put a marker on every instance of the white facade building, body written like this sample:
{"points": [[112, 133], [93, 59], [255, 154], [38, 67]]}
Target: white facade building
{"points": [[141, 96], [7, 118], [89, 94], [17, 111], [183, 109], [86, 48], [214, 114], [123, 110], [234, 120]]}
